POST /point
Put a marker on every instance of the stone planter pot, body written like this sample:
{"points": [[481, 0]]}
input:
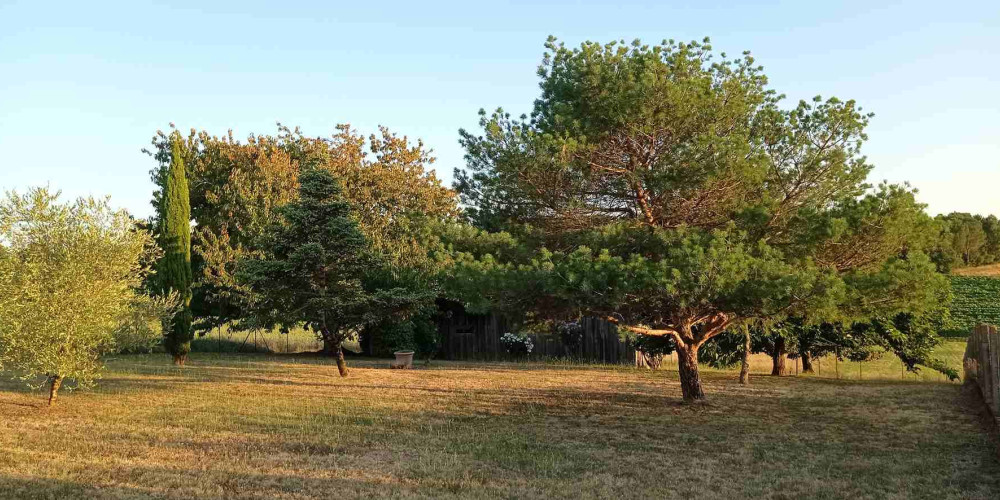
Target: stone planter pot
{"points": [[404, 359]]}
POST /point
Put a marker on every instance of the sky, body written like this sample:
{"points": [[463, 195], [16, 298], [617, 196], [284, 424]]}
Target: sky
{"points": [[85, 85]]}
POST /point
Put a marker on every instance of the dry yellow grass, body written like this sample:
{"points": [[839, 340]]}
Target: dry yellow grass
{"points": [[259, 426], [987, 270]]}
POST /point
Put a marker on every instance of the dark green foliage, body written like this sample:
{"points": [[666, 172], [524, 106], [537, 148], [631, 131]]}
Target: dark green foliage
{"points": [[670, 192], [175, 239], [965, 240], [911, 337], [315, 268], [416, 333], [426, 339], [976, 300]]}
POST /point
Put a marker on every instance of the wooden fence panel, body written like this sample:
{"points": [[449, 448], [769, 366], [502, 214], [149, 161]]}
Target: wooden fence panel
{"points": [[982, 365], [477, 337]]}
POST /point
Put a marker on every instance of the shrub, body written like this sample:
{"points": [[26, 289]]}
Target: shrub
{"points": [[147, 321], [570, 333], [517, 343]]}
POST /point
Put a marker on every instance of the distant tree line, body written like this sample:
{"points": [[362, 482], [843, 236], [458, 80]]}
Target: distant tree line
{"points": [[965, 240]]}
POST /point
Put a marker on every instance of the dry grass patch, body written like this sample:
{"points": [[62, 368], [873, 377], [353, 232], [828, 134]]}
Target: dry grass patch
{"points": [[987, 270], [289, 427]]}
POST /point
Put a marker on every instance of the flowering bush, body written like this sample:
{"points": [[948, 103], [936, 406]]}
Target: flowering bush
{"points": [[571, 333], [517, 343]]}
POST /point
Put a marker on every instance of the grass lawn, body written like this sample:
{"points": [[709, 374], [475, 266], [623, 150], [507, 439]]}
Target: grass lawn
{"points": [[279, 426]]}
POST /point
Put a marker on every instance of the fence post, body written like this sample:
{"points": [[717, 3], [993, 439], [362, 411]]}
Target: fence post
{"points": [[994, 373], [982, 365], [982, 362]]}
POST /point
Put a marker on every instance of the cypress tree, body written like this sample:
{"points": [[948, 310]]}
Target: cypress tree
{"points": [[175, 268]]}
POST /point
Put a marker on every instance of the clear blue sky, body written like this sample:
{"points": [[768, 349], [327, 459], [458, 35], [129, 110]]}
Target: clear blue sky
{"points": [[84, 85]]}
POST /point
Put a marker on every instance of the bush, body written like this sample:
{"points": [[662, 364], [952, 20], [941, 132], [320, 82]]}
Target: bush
{"points": [[425, 337], [387, 338], [145, 323], [571, 334], [517, 343], [418, 334]]}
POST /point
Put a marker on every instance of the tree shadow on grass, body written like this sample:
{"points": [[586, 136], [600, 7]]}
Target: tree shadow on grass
{"points": [[48, 488], [221, 485]]}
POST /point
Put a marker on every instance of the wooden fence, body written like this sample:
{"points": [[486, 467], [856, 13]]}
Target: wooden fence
{"points": [[477, 337], [982, 365]]}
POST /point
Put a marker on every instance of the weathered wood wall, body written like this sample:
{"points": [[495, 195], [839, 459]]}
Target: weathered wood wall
{"points": [[477, 337], [982, 365]]}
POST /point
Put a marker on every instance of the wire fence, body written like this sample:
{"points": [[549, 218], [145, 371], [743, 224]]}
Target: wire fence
{"points": [[982, 365]]}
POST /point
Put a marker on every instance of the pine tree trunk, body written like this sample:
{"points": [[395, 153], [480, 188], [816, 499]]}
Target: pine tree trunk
{"points": [[687, 366], [778, 357], [341, 364], [56, 382], [745, 368], [807, 364]]}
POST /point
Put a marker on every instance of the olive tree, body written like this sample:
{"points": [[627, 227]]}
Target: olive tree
{"points": [[68, 279]]}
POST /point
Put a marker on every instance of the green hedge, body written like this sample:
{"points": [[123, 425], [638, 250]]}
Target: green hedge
{"points": [[976, 300]]}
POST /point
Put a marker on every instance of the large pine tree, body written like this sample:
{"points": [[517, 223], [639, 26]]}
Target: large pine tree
{"points": [[674, 195], [175, 267]]}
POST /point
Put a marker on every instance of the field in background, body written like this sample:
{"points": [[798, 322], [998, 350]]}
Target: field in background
{"points": [[230, 341], [987, 270], [264, 426], [888, 367], [976, 299]]}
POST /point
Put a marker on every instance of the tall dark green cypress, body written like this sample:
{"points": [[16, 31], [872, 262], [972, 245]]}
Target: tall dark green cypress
{"points": [[175, 268]]}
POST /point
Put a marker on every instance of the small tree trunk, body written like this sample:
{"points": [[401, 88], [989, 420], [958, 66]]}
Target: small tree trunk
{"points": [[179, 359], [640, 360], [745, 368], [778, 357], [333, 346], [56, 382], [687, 366], [646, 360], [807, 364], [329, 346], [341, 364]]}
